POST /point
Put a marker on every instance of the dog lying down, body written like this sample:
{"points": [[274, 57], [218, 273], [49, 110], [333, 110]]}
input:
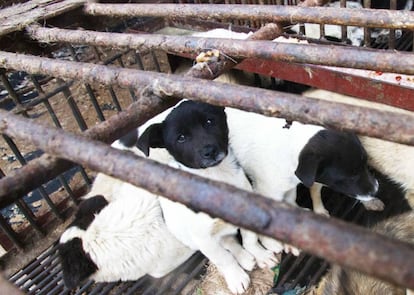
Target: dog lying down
{"points": [[118, 233], [196, 136], [343, 281]]}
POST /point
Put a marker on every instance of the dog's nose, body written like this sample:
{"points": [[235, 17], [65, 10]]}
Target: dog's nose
{"points": [[209, 152]]}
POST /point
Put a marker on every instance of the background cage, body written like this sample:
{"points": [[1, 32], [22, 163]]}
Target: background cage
{"points": [[59, 57]]}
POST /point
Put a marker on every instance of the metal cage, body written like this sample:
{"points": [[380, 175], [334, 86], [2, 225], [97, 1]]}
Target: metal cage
{"points": [[75, 74]]}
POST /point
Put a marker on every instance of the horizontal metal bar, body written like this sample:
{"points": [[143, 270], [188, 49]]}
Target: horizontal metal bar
{"points": [[365, 121], [270, 13], [46, 168], [329, 55], [334, 240]]}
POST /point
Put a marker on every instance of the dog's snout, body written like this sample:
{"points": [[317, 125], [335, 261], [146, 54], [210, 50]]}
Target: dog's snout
{"points": [[209, 152]]}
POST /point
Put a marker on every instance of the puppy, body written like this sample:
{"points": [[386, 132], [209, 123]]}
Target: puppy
{"points": [[119, 236], [391, 159], [196, 136], [342, 281], [277, 157]]}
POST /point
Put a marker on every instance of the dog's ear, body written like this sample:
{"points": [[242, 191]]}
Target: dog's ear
{"points": [[307, 168], [76, 264], [152, 137], [129, 139]]}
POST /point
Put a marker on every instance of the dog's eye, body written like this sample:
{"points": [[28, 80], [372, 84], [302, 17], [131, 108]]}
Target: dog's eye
{"points": [[181, 138]]}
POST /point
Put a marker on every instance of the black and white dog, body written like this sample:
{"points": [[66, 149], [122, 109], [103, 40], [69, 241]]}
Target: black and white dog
{"points": [[277, 157], [118, 233], [195, 134]]}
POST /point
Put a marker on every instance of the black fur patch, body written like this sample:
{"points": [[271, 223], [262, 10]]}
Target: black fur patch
{"points": [[76, 264], [338, 160], [87, 210], [194, 133], [130, 139]]}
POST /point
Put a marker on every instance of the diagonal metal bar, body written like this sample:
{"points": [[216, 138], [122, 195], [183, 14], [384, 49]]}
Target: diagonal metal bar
{"points": [[25, 179], [46, 167], [335, 240], [329, 55], [269, 13], [365, 121]]}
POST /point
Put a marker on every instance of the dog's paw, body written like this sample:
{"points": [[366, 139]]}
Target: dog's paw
{"points": [[237, 281], [246, 260], [266, 259], [321, 211], [291, 249], [272, 244]]}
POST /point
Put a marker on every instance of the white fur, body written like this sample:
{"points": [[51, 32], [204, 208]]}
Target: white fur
{"points": [[212, 236], [128, 238], [268, 152]]}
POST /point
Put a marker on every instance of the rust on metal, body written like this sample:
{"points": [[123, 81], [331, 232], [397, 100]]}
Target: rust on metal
{"points": [[269, 13], [335, 240], [365, 121], [18, 16], [212, 70], [45, 168], [329, 55]]}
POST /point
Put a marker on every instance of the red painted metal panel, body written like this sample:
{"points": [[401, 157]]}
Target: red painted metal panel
{"points": [[336, 81]]}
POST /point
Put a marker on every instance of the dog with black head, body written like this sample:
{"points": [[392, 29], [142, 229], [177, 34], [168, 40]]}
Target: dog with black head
{"points": [[277, 157], [195, 135]]}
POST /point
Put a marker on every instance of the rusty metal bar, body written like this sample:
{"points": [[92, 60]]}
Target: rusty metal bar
{"points": [[370, 122], [331, 55], [46, 168], [27, 178], [268, 13], [335, 240]]}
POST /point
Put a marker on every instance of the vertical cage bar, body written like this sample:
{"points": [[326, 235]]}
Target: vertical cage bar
{"points": [[74, 108], [111, 89], [40, 189], [367, 31], [131, 91], [89, 90], [46, 102], [344, 33], [391, 33], [25, 210], [12, 93], [10, 233]]}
